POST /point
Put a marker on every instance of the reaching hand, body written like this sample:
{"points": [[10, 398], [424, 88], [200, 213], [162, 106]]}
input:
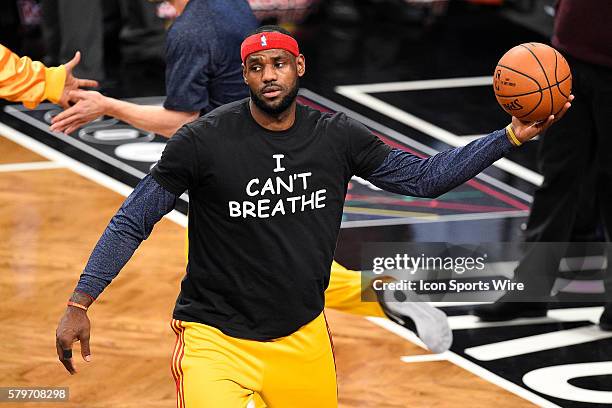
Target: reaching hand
{"points": [[525, 131], [74, 326], [73, 83], [89, 106]]}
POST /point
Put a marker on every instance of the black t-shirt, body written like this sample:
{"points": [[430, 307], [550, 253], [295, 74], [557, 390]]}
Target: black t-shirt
{"points": [[264, 214]]}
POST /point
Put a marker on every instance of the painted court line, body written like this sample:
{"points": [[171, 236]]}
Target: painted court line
{"points": [[439, 218], [555, 381], [78, 167], [500, 381], [41, 165], [78, 144], [579, 314], [466, 364], [423, 358], [539, 342], [424, 84], [74, 141]]}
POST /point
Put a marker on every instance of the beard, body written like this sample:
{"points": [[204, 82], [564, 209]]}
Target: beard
{"points": [[279, 107]]}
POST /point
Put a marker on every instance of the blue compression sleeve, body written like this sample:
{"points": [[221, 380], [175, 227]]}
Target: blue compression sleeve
{"points": [[407, 174], [131, 225]]}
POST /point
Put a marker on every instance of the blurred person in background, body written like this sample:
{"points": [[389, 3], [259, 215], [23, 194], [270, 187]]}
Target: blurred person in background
{"points": [[575, 159], [286, 13], [115, 33], [72, 25]]}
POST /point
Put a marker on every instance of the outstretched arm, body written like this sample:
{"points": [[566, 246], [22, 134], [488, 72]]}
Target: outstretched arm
{"points": [[186, 94], [91, 105], [132, 224], [405, 173]]}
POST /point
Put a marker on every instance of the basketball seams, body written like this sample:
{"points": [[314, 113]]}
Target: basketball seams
{"points": [[534, 108], [560, 82], [538, 61], [552, 102], [523, 74], [529, 77], [540, 90], [528, 113], [556, 65]]}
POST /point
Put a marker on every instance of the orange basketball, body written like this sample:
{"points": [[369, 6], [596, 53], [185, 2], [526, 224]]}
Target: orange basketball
{"points": [[532, 81]]}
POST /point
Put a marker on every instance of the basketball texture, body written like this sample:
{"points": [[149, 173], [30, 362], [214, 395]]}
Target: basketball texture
{"points": [[532, 81]]}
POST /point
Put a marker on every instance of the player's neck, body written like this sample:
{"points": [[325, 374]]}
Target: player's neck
{"points": [[275, 123]]}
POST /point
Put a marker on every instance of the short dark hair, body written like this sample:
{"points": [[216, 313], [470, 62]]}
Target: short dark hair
{"points": [[270, 29]]}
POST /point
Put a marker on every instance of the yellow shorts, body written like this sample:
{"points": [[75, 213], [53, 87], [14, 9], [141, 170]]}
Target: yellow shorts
{"points": [[213, 370]]}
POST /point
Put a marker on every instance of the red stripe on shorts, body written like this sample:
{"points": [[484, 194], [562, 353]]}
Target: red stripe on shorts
{"points": [[177, 372]]}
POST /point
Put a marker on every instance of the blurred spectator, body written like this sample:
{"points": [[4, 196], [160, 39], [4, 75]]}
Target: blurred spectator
{"points": [[283, 11], [75, 25], [575, 159], [107, 32]]}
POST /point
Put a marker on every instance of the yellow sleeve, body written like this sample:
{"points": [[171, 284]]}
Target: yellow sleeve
{"points": [[27, 81]]}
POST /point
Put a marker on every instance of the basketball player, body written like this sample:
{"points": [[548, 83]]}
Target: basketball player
{"points": [[30, 82], [203, 75], [267, 179]]}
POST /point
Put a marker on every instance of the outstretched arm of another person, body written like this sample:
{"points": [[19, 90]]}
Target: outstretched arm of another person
{"points": [[30, 82], [91, 105]]}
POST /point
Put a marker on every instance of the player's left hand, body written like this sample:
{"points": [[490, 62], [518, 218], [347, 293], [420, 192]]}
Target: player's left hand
{"points": [[525, 131], [73, 83], [89, 106]]}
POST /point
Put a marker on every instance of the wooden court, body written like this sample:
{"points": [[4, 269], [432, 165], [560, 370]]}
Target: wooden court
{"points": [[50, 220]]}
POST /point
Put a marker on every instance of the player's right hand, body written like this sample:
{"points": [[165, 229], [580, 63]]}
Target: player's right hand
{"points": [[525, 131], [73, 326], [88, 106]]}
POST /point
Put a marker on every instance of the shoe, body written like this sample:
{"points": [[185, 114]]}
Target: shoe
{"points": [[428, 323], [605, 320], [502, 311]]}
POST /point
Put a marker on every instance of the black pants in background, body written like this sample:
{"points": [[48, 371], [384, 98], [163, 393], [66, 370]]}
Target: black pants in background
{"points": [[576, 160]]}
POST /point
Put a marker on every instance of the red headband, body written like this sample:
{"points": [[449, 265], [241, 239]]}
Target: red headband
{"points": [[266, 41]]}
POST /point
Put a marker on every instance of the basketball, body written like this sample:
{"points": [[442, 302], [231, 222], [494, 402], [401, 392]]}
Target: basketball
{"points": [[532, 81]]}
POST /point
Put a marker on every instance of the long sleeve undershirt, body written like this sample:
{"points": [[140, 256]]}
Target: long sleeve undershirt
{"points": [[401, 173], [131, 225], [407, 174]]}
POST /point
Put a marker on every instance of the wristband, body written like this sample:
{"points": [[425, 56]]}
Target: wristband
{"points": [[513, 138], [75, 304]]}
